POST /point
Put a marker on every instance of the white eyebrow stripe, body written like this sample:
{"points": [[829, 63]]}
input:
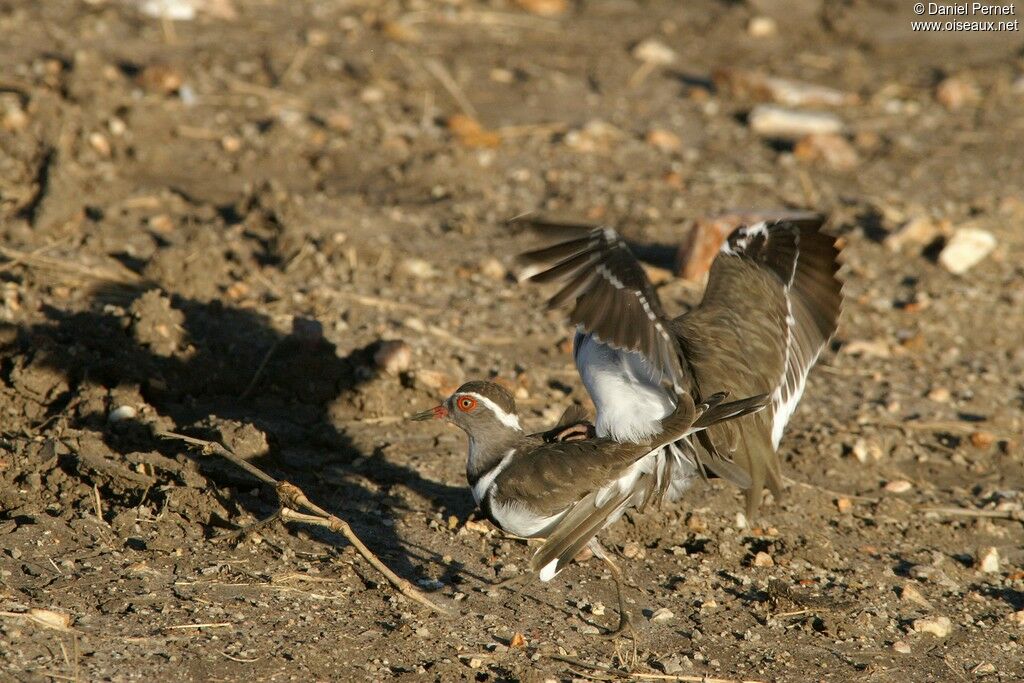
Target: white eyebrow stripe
{"points": [[505, 418]]}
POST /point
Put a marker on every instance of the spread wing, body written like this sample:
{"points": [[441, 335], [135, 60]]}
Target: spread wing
{"points": [[613, 298], [772, 303]]}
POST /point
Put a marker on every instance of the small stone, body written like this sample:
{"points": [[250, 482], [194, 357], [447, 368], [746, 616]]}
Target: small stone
{"points": [[415, 268], [844, 505], [632, 550], [939, 627], [471, 133], [231, 143], [587, 630], [393, 357], [544, 8], [653, 51], [967, 248], [870, 348], [955, 92], [987, 560], [939, 395], [866, 451], [1016, 618], [493, 268], [763, 559], [741, 521], [910, 593], [162, 79], [982, 439], [597, 609], [99, 142], [771, 121], [663, 140], [518, 640], [983, 669], [662, 614], [762, 27], [14, 117], [901, 646], [475, 662], [122, 413], [918, 231], [827, 149], [898, 486]]}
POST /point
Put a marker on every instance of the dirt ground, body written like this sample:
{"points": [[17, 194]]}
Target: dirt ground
{"points": [[209, 225]]}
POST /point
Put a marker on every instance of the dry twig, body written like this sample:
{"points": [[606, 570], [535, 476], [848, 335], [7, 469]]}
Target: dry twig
{"points": [[293, 499]]}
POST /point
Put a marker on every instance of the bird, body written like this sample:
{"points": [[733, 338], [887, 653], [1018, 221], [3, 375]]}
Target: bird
{"points": [[562, 488], [771, 304]]}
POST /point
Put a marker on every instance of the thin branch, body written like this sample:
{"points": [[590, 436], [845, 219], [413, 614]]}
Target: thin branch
{"points": [[291, 496]]}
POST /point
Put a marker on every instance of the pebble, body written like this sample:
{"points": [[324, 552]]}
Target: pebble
{"points": [[1016, 618], [662, 614], [956, 92], [763, 559], [918, 231], [982, 439], [654, 51], [544, 8], [939, 395], [965, 249], [518, 640], [597, 609], [937, 626], [910, 593], [493, 268], [762, 27], [663, 140], [393, 357], [987, 560], [866, 451], [901, 646], [784, 91], [122, 413], [160, 78], [632, 550], [898, 486], [416, 268], [587, 630], [99, 142], [771, 121], [844, 505], [829, 150]]}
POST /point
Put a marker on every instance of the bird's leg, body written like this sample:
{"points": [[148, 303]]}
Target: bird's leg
{"points": [[624, 621]]}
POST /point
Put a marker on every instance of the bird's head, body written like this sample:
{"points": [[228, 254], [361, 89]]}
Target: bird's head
{"points": [[481, 409]]}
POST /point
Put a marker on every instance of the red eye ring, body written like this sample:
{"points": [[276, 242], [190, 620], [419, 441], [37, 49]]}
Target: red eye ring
{"points": [[466, 404]]}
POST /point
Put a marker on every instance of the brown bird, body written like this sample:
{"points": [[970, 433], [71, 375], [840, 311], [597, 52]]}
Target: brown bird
{"points": [[771, 304], [565, 490]]}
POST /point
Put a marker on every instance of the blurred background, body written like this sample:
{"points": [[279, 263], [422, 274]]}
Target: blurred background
{"points": [[283, 226]]}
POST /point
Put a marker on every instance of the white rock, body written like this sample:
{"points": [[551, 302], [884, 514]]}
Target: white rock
{"points": [[122, 413], [966, 248], [901, 646], [988, 560], [937, 626], [662, 614], [654, 52], [789, 124], [898, 486], [762, 27]]}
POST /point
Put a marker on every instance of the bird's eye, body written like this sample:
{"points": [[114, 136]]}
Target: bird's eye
{"points": [[466, 403]]}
